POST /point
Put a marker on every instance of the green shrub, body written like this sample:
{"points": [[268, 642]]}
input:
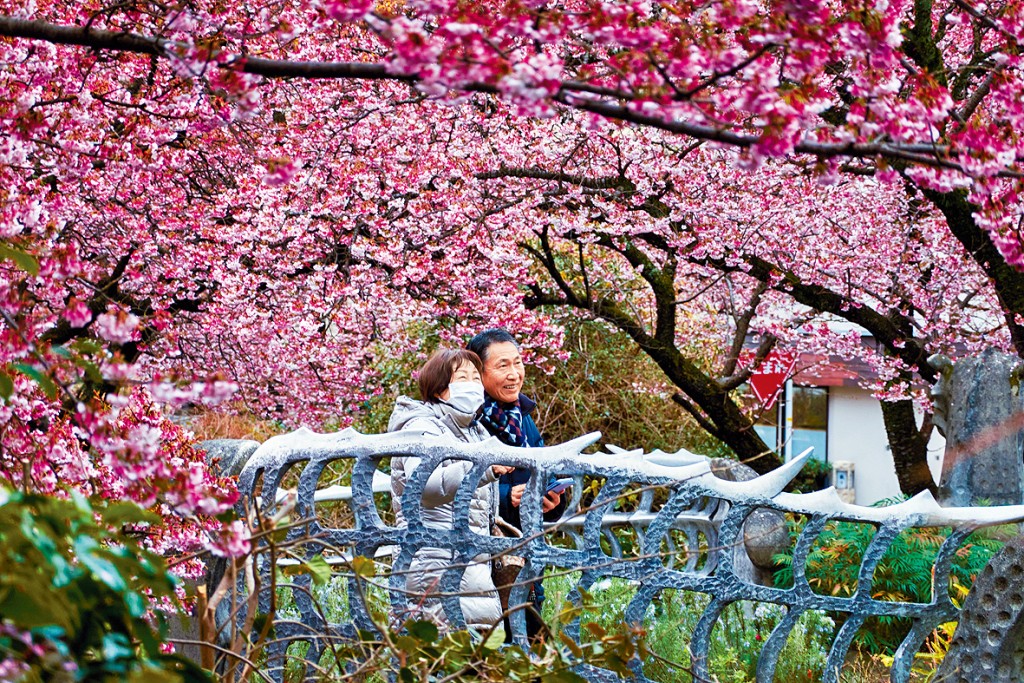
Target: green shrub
{"points": [[662, 641], [608, 385], [75, 594], [904, 573]]}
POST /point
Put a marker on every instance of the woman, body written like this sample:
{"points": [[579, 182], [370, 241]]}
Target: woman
{"points": [[452, 395]]}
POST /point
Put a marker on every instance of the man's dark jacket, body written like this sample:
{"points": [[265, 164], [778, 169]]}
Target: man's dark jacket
{"points": [[511, 514], [519, 475]]}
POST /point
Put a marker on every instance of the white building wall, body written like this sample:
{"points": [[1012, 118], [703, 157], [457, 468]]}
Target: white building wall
{"points": [[936, 449], [856, 433]]}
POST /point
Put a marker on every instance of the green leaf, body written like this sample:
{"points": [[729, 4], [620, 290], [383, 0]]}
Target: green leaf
{"points": [[6, 385], [259, 623], [25, 261], [44, 382], [147, 638], [316, 567], [153, 675], [81, 502], [364, 567], [135, 603], [92, 370], [184, 669], [574, 648], [426, 631], [34, 611], [117, 646], [406, 644], [55, 635], [39, 540], [121, 513], [228, 515], [103, 570], [319, 569], [367, 636], [86, 345], [61, 351]]}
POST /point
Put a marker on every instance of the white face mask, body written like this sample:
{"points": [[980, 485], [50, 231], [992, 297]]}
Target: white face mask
{"points": [[465, 397]]}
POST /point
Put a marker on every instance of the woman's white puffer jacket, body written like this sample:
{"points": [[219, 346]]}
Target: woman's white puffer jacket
{"points": [[479, 601]]}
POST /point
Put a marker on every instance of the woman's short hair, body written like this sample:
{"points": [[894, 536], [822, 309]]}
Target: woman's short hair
{"points": [[436, 374]]}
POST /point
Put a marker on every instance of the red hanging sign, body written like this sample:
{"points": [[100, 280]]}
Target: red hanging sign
{"points": [[767, 381]]}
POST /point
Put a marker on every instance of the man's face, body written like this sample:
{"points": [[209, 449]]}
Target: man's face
{"points": [[503, 372]]}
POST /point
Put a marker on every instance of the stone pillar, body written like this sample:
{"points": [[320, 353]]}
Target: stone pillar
{"points": [[227, 457], [764, 532], [988, 646], [976, 403]]}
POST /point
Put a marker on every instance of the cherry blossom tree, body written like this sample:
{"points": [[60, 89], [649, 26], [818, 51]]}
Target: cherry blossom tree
{"points": [[153, 236], [275, 193]]}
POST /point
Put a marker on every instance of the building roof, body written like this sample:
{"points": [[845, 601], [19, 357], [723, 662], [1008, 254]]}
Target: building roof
{"points": [[819, 370]]}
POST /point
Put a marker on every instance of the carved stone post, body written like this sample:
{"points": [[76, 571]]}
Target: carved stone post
{"points": [[764, 533], [977, 401], [228, 457], [988, 646]]}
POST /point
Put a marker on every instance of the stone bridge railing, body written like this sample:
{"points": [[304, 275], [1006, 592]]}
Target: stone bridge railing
{"points": [[695, 502]]}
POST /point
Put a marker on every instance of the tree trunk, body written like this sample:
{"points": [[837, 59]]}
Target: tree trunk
{"points": [[728, 422], [909, 446]]}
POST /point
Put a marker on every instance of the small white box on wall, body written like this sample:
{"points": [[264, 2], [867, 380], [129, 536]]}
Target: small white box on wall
{"points": [[843, 480]]}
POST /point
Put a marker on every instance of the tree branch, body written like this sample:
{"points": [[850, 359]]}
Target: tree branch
{"points": [[722, 416], [732, 381], [883, 328], [681, 400], [537, 173], [742, 328], [574, 94]]}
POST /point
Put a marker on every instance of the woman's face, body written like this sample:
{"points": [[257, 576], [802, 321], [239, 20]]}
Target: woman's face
{"points": [[466, 372]]}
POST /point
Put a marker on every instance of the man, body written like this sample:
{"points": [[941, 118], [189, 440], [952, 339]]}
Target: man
{"points": [[506, 415]]}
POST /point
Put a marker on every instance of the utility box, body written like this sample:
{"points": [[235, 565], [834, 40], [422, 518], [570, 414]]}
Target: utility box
{"points": [[842, 480]]}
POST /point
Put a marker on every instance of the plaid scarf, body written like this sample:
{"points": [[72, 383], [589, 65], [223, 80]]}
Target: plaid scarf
{"points": [[504, 423]]}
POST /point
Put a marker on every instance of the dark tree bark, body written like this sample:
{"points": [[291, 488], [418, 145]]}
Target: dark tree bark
{"points": [[909, 446], [707, 400]]}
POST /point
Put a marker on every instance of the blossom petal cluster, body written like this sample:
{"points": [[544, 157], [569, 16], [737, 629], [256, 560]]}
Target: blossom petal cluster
{"points": [[264, 204]]}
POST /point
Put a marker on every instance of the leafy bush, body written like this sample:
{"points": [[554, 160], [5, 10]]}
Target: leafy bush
{"points": [[413, 651], [75, 594], [904, 573], [662, 640], [607, 385]]}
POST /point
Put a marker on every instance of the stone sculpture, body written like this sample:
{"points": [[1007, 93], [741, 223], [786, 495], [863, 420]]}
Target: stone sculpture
{"points": [[689, 488], [988, 646], [977, 406]]}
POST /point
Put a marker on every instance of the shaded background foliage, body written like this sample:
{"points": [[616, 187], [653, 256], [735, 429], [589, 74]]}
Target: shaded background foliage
{"points": [[603, 385]]}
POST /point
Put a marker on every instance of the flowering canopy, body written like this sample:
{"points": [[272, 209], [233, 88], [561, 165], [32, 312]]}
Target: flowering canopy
{"points": [[279, 196]]}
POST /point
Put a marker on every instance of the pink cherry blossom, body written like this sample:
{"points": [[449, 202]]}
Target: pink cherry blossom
{"points": [[77, 313], [283, 207], [118, 326], [232, 540]]}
